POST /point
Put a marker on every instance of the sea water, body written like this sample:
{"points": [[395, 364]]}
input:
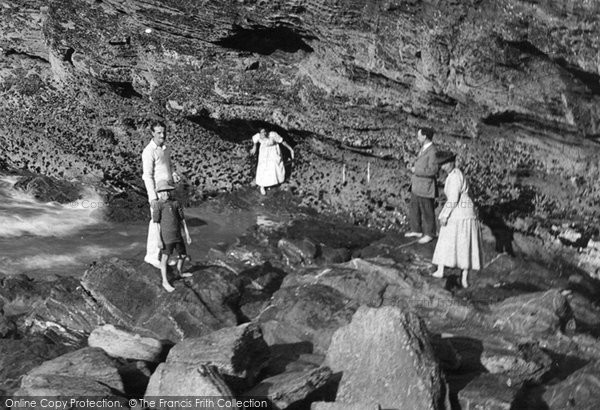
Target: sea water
{"points": [[41, 238]]}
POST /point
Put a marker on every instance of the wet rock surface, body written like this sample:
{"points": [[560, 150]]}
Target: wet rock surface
{"points": [[501, 343]]}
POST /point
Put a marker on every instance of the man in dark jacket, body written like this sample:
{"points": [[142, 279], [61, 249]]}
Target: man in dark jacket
{"points": [[423, 190]]}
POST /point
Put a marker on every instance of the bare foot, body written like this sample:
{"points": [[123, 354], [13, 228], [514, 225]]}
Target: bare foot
{"points": [[438, 274], [263, 191], [168, 287]]}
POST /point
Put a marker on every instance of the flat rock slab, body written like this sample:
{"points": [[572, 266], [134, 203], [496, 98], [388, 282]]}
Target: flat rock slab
{"points": [[385, 357], [364, 288], [539, 312], [581, 390], [489, 392], [134, 299], [183, 379], [307, 313], [88, 371], [18, 356], [288, 388], [120, 343], [239, 353]]}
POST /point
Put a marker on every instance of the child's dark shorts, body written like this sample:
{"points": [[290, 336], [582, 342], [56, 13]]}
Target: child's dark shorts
{"points": [[178, 246]]}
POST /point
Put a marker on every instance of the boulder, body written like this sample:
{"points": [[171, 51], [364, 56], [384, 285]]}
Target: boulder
{"points": [[133, 298], [129, 295], [489, 392], [585, 311], [187, 380], [297, 251], [239, 353], [308, 313], [385, 357], [578, 391], [67, 315], [334, 255], [528, 362], [363, 287], [291, 388], [19, 356], [120, 343], [87, 363], [19, 294], [88, 371], [64, 387], [533, 313]]}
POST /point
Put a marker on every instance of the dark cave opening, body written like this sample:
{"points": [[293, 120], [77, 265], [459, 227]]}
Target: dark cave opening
{"points": [[266, 40], [124, 89], [238, 131]]}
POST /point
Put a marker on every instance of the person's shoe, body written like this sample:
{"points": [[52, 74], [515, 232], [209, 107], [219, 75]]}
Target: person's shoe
{"points": [[168, 287], [464, 283], [413, 234], [172, 262], [153, 262], [263, 191], [185, 275], [438, 274], [425, 239]]}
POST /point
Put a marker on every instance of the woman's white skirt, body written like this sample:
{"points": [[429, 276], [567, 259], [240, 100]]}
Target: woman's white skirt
{"points": [[459, 245], [270, 170]]}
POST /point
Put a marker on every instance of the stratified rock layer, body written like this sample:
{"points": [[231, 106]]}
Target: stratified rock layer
{"points": [[512, 86]]}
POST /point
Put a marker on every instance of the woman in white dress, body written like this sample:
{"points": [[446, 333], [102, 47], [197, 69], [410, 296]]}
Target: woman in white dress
{"points": [[270, 170], [459, 240]]}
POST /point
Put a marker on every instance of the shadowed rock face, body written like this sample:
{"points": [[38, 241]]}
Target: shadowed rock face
{"points": [[512, 85]]}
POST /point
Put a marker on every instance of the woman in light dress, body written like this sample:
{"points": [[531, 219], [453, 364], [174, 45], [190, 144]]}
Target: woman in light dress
{"points": [[270, 170], [459, 240]]}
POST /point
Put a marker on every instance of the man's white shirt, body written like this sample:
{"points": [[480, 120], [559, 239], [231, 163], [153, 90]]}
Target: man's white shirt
{"points": [[156, 165]]}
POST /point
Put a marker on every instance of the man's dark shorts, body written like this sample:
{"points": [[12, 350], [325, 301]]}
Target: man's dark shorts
{"points": [[178, 246]]}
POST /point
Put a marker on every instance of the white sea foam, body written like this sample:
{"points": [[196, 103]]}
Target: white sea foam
{"points": [[79, 256], [21, 214]]}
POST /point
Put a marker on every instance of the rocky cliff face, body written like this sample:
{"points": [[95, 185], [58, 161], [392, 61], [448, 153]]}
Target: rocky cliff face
{"points": [[512, 85]]}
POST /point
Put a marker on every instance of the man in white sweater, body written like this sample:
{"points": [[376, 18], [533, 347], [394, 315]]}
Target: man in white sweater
{"points": [[156, 164]]}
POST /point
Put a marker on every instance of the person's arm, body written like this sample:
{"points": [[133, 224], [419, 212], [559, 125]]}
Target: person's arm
{"points": [[285, 144], [453, 186], [188, 238], [183, 224], [148, 174], [254, 144]]}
